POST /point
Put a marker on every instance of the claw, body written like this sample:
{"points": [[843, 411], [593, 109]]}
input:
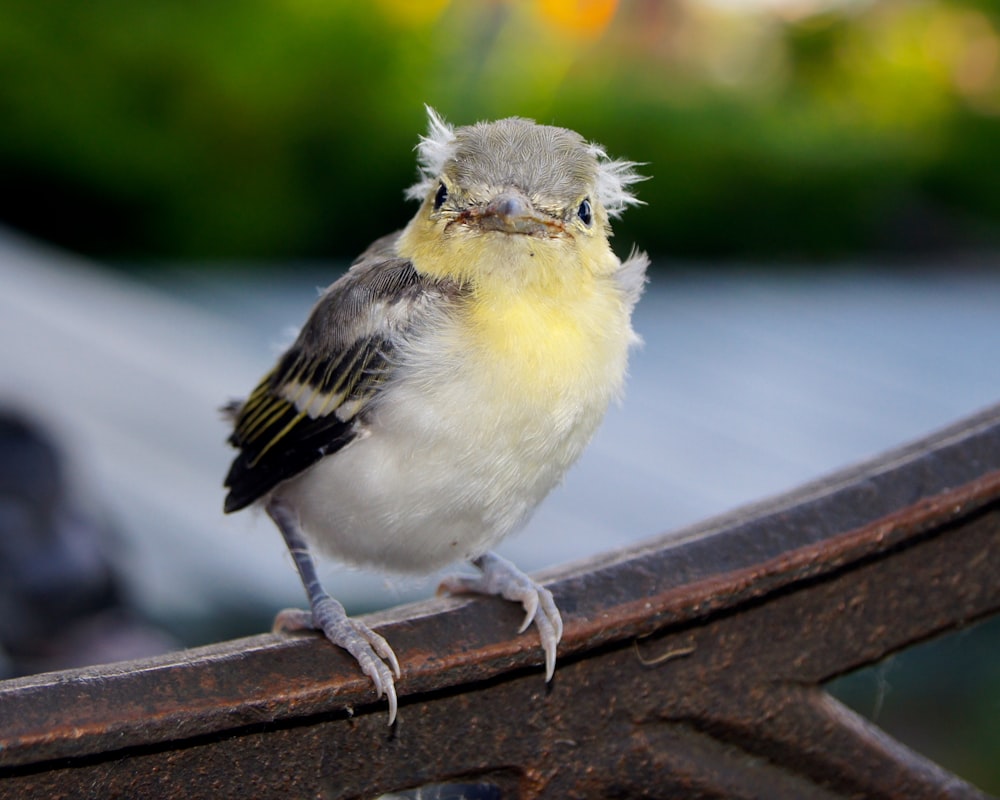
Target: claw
{"points": [[500, 577], [368, 648], [530, 610], [381, 646]]}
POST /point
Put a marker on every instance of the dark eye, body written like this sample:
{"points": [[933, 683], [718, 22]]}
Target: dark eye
{"points": [[585, 213], [440, 197]]}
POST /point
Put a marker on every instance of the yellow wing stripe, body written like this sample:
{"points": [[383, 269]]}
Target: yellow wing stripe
{"points": [[313, 388], [264, 414], [280, 435]]}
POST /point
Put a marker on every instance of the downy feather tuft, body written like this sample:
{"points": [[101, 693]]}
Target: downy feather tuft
{"points": [[613, 181], [433, 152]]}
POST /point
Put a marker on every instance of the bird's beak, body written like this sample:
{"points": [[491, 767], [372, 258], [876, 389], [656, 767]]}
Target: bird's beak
{"points": [[512, 212]]}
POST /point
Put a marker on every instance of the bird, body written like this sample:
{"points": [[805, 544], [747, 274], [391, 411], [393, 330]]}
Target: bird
{"points": [[444, 384]]}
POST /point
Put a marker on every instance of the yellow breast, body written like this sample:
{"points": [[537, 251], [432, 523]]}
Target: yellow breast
{"points": [[544, 331], [550, 347]]}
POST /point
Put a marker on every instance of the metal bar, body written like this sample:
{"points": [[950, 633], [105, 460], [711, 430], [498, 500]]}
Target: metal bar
{"points": [[691, 666]]}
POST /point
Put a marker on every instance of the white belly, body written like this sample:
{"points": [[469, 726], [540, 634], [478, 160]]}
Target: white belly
{"points": [[457, 460]]}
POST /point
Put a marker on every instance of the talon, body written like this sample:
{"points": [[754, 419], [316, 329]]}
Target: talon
{"points": [[381, 646], [372, 673], [369, 649], [500, 577], [531, 609], [392, 660], [391, 697]]}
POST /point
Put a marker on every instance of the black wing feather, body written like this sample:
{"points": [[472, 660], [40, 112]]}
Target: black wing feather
{"points": [[310, 404]]}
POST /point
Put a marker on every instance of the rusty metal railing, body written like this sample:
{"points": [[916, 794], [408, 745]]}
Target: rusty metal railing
{"points": [[691, 666]]}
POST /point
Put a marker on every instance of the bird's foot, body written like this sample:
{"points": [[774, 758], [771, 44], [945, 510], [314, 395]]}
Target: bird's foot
{"points": [[500, 577], [371, 651]]}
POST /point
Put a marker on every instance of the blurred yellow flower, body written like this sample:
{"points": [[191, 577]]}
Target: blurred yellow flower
{"points": [[581, 17]]}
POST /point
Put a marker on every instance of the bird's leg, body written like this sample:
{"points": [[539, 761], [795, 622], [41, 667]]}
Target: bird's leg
{"points": [[500, 577], [369, 649]]}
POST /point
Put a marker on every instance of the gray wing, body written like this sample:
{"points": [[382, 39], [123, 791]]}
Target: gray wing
{"points": [[309, 405]]}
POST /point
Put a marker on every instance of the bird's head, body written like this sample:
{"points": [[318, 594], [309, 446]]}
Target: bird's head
{"points": [[513, 202]]}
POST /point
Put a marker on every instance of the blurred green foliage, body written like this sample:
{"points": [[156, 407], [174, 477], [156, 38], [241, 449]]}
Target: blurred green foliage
{"points": [[284, 128]]}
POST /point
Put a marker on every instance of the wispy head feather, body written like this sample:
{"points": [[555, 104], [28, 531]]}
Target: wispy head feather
{"points": [[494, 142], [433, 152], [613, 181]]}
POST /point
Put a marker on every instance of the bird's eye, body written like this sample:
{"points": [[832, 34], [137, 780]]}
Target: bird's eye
{"points": [[585, 212], [441, 196]]}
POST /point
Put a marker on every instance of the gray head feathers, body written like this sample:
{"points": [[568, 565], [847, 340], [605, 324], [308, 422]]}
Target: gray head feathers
{"points": [[503, 151]]}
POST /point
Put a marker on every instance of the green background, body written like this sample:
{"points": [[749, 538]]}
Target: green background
{"points": [[265, 129]]}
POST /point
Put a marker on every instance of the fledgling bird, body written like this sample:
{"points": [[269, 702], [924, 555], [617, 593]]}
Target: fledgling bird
{"points": [[442, 387]]}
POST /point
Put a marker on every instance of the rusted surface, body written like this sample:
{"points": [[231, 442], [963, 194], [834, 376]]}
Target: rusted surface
{"points": [[690, 667]]}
